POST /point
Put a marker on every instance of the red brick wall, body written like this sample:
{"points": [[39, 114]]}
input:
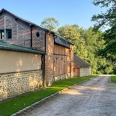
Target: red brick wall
{"points": [[49, 44], [19, 30], [38, 42], [21, 34], [68, 64], [71, 58], [49, 69], [2, 22], [49, 59], [8, 22], [14, 30], [71, 52]]}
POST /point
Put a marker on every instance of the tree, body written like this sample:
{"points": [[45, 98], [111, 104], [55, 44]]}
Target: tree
{"points": [[69, 32], [107, 19], [93, 43], [50, 24], [72, 34], [86, 43]]}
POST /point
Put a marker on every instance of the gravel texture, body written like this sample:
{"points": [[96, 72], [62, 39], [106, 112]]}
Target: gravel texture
{"points": [[96, 97]]}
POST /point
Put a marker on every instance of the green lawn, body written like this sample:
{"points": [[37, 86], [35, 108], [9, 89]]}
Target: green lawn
{"points": [[9, 107], [113, 78]]}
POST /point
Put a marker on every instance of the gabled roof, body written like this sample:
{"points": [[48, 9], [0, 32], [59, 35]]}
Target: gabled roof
{"points": [[21, 19], [61, 41], [12, 47], [81, 63], [58, 40]]}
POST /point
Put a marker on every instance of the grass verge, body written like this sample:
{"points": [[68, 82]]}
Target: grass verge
{"points": [[9, 107], [113, 78]]}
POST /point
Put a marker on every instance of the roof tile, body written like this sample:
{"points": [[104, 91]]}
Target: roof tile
{"points": [[81, 63]]}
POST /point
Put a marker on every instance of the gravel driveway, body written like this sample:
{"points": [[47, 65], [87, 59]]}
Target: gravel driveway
{"points": [[95, 97]]}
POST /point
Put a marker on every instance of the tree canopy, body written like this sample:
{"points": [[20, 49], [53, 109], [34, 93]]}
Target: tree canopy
{"points": [[107, 20], [87, 43], [50, 24], [94, 46]]}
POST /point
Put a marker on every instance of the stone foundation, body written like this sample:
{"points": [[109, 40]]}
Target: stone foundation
{"points": [[14, 84], [61, 77]]}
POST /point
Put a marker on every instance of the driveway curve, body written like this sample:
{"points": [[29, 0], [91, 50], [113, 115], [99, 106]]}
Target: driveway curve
{"points": [[96, 97]]}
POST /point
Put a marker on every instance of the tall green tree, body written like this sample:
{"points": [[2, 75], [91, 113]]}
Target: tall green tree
{"points": [[72, 34], [87, 44], [107, 19], [50, 24], [93, 43]]}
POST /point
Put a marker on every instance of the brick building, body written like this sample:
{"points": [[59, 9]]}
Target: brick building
{"points": [[37, 56], [58, 58]]}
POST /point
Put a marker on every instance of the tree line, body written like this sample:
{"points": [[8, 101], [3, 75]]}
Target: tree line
{"points": [[93, 45]]}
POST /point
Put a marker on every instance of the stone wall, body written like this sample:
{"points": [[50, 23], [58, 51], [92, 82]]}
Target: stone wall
{"points": [[62, 77], [13, 84]]}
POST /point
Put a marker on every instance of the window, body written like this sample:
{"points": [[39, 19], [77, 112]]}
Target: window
{"points": [[8, 33], [37, 34], [2, 34]]}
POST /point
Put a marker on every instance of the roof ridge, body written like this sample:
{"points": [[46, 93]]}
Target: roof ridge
{"points": [[64, 39], [29, 22]]}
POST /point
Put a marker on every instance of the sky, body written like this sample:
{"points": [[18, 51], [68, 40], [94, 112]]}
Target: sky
{"points": [[65, 11]]}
